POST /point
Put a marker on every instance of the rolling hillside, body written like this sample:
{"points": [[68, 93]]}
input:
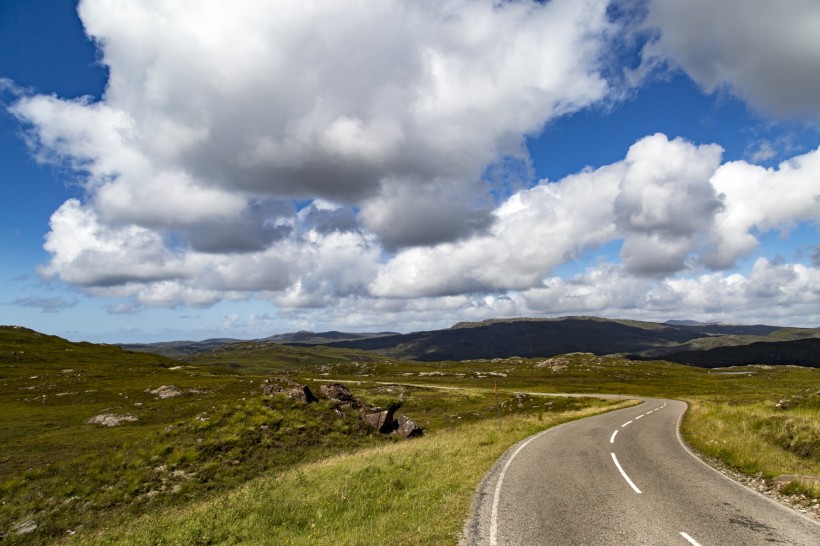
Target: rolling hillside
{"points": [[801, 352], [550, 337]]}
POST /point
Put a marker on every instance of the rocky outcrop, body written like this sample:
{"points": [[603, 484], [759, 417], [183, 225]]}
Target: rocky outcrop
{"points": [[165, 391], [110, 419], [339, 393], [407, 428], [380, 419], [385, 421]]}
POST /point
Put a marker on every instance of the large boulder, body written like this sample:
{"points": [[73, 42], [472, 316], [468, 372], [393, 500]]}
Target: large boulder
{"points": [[380, 419], [338, 393], [407, 428]]}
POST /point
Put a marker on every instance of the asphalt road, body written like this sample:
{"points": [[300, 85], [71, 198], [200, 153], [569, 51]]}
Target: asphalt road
{"points": [[623, 478]]}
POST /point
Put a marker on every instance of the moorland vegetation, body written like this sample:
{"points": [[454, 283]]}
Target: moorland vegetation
{"points": [[209, 458]]}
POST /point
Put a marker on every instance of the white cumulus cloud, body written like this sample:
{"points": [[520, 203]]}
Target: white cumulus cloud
{"points": [[350, 159], [768, 53]]}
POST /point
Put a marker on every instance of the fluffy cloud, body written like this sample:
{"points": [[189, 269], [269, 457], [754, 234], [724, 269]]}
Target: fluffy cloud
{"points": [[757, 200], [351, 159], [666, 202], [534, 231], [750, 47], [659, 200], [670, 204], [770, 292], [393, 107]]}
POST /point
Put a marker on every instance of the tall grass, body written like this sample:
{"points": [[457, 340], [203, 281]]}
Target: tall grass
{"points": [[758, 438], [409, 493]]}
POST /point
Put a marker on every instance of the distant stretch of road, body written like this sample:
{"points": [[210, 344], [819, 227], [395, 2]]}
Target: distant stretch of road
{"points": [[623, 478]]}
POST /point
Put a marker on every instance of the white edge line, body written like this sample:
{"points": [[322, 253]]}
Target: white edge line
{"points": [[727, 478], [497, 494], [612, 439], [622, 426], [689, 539], [621, 470]]}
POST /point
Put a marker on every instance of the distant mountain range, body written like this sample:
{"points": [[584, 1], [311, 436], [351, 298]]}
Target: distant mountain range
{"points": [[800, 352], [686, 342], [178, 349], [323, 338]]}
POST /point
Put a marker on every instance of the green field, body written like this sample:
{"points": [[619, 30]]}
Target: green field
{"points": [[219, 462]]}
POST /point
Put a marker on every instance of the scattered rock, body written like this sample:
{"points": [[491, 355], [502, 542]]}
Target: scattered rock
{"points": [[770, 488], [783, 404], [110, 419], [165, 391], [389, 389], [24, 528]]}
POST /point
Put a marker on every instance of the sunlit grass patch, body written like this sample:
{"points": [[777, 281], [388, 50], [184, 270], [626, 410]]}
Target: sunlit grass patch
{"points": [[758, 438], [416, 492]]}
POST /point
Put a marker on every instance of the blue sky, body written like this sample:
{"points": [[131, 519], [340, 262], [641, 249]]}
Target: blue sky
{"points": [[195, 170]]}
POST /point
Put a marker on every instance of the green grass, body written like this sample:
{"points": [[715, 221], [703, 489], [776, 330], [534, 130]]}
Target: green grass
{"points": [[254, 358], [410, 493], [760, 439]]}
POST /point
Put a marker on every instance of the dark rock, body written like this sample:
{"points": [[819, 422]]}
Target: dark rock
{"points": [[407, 428], [301, 393], [381, 420], [337, 392], [289, 388]]}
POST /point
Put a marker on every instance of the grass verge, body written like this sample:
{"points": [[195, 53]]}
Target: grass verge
{"points": [[768, 439], [416, 492]]}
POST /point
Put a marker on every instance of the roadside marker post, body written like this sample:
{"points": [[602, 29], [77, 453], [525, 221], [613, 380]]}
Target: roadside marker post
{"points": [[498, 407]]}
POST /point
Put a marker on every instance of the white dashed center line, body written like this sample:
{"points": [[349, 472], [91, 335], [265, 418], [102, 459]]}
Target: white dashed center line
{"points": [[612, 439], [689, 539], [621, 470], [628, 422]]}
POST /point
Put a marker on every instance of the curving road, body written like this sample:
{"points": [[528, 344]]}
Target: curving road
{"points": [[623, 478]]}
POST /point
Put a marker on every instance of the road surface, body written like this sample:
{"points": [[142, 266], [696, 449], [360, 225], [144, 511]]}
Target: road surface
{"points": [[623, 478]]}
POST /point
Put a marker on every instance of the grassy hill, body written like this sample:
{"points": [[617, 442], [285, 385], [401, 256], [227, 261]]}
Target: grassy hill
{"points": [[182, 349], [493, 338], [800, 352], [265, 357], [198, 435]]}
